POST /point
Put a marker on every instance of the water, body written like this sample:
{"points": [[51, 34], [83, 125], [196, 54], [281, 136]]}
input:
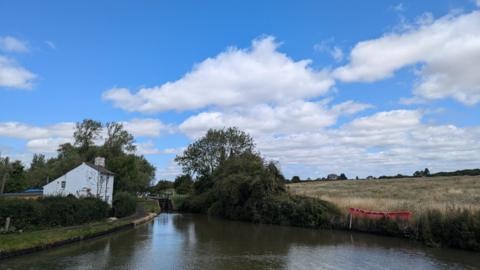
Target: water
{"points": [[176, 241]]}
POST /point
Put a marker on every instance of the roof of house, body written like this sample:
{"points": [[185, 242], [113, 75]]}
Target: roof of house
{"points": [[99, 169]]}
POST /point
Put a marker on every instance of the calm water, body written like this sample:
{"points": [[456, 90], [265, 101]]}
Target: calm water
{"points": [[175, 241]]}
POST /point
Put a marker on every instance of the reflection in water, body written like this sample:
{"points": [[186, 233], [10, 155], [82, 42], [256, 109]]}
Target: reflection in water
{"points": [[175, 241]]}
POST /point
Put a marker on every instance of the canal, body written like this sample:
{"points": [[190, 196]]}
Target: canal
{"points": [[177, 241]]}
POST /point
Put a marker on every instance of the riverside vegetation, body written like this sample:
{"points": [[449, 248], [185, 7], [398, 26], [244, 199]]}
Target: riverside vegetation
{"points": [[445, 210], [232, 181]]}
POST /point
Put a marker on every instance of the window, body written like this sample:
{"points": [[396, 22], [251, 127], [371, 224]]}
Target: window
{"points": [[64, 183]]}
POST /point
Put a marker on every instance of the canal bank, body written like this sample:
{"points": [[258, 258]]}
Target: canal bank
{"points": [[17, 244]]}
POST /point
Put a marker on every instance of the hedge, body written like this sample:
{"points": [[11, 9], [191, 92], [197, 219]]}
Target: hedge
{"points": [[124, 204], [52, 211]]}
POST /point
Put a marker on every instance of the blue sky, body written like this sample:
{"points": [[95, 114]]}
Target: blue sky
{"points": [[361, 87]]}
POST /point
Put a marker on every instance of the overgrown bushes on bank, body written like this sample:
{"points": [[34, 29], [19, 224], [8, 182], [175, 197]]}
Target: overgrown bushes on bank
{"points": [[456, 228], [52, 211], [124, 204], [245, 187]]}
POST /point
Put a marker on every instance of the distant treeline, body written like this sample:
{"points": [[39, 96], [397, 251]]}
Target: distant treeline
{"points": [[470, 172], [422, 173]]}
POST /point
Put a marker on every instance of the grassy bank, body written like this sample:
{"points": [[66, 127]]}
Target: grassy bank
{"points": [[413, 194], [18, 243], [445, 210], [27, 242]]}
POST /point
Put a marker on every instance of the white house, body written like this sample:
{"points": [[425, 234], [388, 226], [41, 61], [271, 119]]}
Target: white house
{"points": [[85, 180]]}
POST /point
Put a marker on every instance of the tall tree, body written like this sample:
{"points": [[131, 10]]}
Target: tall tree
{"points": [[12, 176], [37, 174], [118, 139], [86, 133], [4, 172], [203, 156]]}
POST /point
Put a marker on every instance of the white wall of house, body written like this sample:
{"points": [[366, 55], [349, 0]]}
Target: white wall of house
{"points": [[83, 181]]}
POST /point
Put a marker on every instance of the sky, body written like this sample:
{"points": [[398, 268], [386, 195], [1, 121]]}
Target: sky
{"points": [[356, 87]]}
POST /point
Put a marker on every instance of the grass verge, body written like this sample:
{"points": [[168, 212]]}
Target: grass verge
{"points": [[21, 243]]}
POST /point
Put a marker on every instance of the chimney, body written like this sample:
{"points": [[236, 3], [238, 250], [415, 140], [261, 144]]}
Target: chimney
{"points": [[100, 161]]}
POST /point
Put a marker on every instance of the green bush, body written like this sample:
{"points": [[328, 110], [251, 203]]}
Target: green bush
{"points": [[52, 211], [24, 214], [183, 184], [124, 204], [247, 188], [67, 211], [459, 228]]}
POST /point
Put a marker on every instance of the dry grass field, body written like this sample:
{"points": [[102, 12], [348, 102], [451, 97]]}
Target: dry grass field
{"points": [[408, 194]]}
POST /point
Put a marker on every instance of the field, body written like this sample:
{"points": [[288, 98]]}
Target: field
{"points": [[403, 194]]}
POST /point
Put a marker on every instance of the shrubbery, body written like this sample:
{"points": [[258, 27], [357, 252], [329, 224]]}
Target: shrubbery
{"points": [[124, 204], [183, 184], [247, 188], [456, 228], [459, 228], [52, 211]]}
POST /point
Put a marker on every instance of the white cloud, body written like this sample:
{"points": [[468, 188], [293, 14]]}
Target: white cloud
{"points": [[447, 49], [24, 131], [14, 76], [384, 143], [337, 54], [46, 139], [326, 47], [46, 145], [11, 44], [397, 119], [169, 172], [149, 148], [232, 78], [146, 127], [263, 119]]}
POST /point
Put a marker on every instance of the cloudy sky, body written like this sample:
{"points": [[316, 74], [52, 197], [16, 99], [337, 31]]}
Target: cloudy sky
{"points": [[361, 87]]}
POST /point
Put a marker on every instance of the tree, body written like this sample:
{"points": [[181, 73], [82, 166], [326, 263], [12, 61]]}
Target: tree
{"points": [[423, 173], [203, 156], [183, 184], [38, 173], [161, 186], [342, 177], [86, 133], [4, 170], [12, 176], [296, 179], [118, 139], [132, 173]]}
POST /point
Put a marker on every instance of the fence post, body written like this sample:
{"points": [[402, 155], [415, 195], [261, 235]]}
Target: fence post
{"points": [[350, 225], [7, 224]]}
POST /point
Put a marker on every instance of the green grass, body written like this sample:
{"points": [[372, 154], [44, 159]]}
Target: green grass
{"points": [[19, 241]]}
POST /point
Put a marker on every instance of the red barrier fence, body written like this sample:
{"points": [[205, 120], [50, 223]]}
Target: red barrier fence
{"points": [[377, 215]]}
